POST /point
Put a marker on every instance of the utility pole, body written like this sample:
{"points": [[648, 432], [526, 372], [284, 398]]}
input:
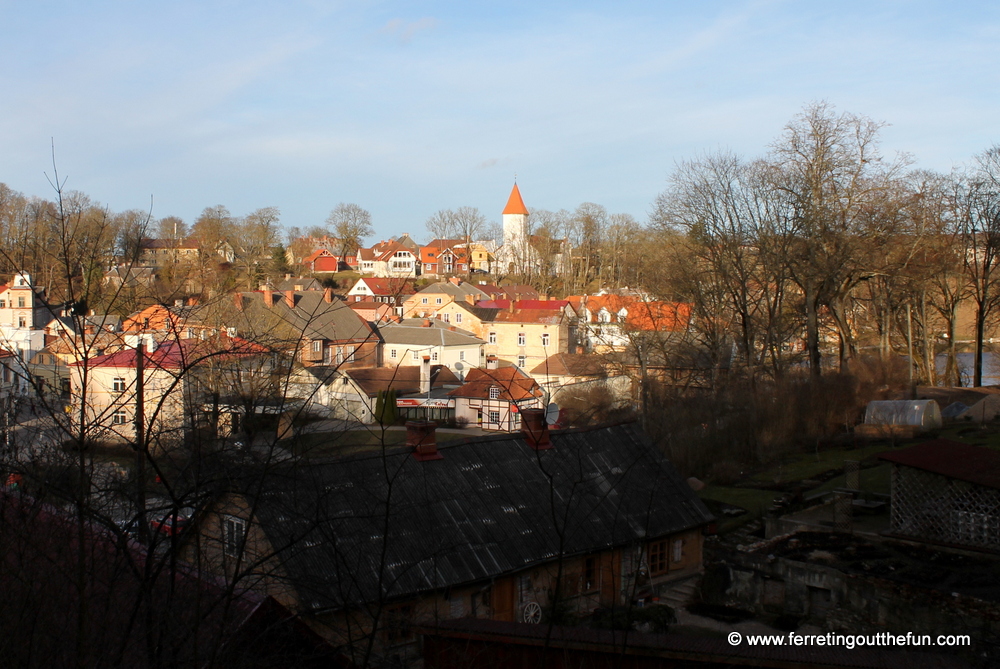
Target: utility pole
{"points": [[140, 447]]}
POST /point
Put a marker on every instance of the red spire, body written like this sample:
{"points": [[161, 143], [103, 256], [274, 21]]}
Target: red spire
{"points": [[515, 205]]}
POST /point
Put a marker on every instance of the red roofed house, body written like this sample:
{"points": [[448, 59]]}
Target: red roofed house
{"points": [[397, 258], [322, 260], [494, 398], [391, 291], [444, 256], [607, 321], [177, 377]]}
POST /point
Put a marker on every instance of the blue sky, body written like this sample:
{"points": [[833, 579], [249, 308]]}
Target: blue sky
{"points": [[408, 108]]}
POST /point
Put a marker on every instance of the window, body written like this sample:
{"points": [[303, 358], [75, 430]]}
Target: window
{"points": [[3, 304], [22, 322], [658, 557], [119, 417], [492, 338], [397, 625], [461, 355], [494, 416], [118, 384], [317, 346], [423, 300], [494, 393], [344, 380], [415, 355], [234, 532], [446, 318], [678, 550], [437, 300], [590, 573], [522, 361], [458, 318], [434, 356], [392, 353], [545, 339], [340, 354], [20, 302], [522, 339], [350, 354]]}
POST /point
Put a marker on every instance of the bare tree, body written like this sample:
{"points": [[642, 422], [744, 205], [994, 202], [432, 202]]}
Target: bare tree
{"points": [[835, 182], [980, 209], [350, 224]]}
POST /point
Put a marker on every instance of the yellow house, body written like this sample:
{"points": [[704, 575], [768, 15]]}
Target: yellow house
{"points": [[523, 337], [428, 301]]}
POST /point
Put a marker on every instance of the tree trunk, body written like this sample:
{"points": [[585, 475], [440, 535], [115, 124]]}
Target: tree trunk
{"points": [[812, 331]]}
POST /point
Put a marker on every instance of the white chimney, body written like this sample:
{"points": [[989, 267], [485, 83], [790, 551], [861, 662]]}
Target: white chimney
{"points": [[425, 375]]}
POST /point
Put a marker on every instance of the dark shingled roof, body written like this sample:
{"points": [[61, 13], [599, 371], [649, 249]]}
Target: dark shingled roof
{"points": [[484, 510], [572, 364], [403, 379], [311, 318], [953, 459]]}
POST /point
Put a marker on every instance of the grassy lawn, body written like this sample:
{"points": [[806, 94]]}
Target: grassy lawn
{"points": [[353, 442], [873, 479], [755, 502], [802, 466]]}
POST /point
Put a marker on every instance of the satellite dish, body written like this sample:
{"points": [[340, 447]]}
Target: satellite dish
{"points": [[552, 413]]}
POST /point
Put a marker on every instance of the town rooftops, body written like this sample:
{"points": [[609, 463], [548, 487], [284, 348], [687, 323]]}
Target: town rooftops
{"points": [[484, 510], [953, 459]]}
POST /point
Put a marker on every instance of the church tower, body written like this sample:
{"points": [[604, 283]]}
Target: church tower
{"points": [[515, 220]]}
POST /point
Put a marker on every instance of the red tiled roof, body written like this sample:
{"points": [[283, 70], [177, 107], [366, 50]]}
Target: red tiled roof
{"points": [[318, 253], [654, 315], [388, 287], [515, 205], [953, 459], [514, 384]]}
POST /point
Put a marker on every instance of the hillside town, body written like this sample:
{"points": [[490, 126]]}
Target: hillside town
{"points": [[568, 439]]}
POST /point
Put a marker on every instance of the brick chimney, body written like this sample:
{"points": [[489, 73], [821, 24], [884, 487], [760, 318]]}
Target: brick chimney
{"points": [[328, 295], [470, 298], [457, 280], [290, 298], [534, 429], [238, 301], [268, 297], [420, 435], [426, 324]]}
